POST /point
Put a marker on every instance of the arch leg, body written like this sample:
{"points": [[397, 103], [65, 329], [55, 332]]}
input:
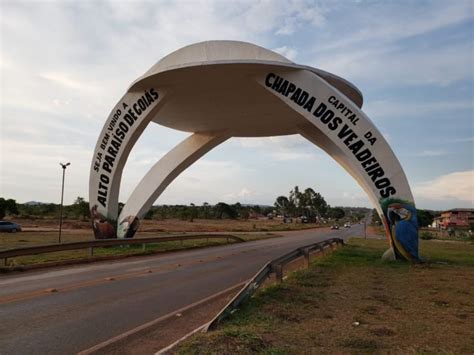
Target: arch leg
{"points": [[338, 126], [121, 130], [161, 175]]}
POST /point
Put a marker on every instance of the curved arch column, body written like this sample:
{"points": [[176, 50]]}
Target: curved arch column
{"points": [[340, 128], [161, 175], [121, 130]]}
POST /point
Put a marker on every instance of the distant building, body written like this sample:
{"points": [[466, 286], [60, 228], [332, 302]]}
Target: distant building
{"points": [[455, 218], [437, 222]]}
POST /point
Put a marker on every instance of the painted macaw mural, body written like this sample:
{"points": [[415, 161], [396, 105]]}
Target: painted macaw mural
{"points": [[103, 227], [401, 225]]}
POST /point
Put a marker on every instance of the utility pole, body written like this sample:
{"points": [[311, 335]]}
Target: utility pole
{"points": [[64, 166]]}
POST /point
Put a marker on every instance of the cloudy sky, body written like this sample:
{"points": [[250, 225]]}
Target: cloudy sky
{"points": [[65, 64]]}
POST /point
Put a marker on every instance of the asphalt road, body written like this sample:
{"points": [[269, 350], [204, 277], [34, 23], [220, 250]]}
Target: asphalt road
{"points": [[69, 309]]}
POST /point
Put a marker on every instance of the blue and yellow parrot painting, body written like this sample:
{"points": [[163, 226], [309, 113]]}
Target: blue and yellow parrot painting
{"points": [[402, 223]]}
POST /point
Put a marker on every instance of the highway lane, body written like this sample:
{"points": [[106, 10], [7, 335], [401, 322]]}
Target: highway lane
{"points": [[98, 301]]}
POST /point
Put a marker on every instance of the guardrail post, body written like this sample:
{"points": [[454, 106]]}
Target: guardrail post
{"points": [[91, 252], [4, 262], [321, 249], [306, 257], [143, 247], [279, 272], [227, 240]]}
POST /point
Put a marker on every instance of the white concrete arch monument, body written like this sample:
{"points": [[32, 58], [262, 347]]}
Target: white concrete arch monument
{"points": [[221, 89]]}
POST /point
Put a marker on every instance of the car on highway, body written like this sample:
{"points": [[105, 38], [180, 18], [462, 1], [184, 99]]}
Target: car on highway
{"points": [[347, 225], [304, 219], [9, 227], [334, 226]]}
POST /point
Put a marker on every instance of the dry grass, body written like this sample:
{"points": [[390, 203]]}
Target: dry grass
{"points": [[44, 231], [351, 302], [125, 250], [175, 225], [24, 239]]}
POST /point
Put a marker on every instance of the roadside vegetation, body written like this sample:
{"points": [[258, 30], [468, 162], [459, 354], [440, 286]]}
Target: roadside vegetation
{"points": [[307, 204], [21, 239], [115, 251], [352, 302], [300, 209], [44, 231]]}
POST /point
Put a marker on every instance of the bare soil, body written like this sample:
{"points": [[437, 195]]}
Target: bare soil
{"points": [[175, 225]]}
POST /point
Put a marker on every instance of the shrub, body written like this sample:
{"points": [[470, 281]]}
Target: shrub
{"points": [[426, 235]]}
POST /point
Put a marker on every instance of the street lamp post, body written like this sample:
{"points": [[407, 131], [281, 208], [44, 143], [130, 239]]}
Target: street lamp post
{"points": [[64, 166]]}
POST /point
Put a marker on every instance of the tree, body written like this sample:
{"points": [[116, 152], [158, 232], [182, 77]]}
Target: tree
{"points": [[336, 213], [282, 204], [7, 206], [295, 199], [224, 210], [314, 203], [237, 207], [245, 214], [149, 214], [81, 208], [192, 212], [308, 203], [206, 210], [375, 218], [425, 217]]}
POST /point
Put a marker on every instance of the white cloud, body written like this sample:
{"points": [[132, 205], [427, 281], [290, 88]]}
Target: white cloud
{"points": [[461, 140], [390, 65], [31, 171], [431, 153], [280, 148], [286, 155], [208, 180], [406, 109], [454, 186], [379, 49], [287, 52], [356, 198], [244, 194], [390, 22], [67, 81]]}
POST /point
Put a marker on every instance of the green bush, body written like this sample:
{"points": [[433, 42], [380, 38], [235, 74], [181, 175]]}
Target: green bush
{"points": [[426, 235]]}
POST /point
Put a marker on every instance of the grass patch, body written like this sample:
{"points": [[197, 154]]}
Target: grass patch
{"points": [[124, 250], [351, 302]]}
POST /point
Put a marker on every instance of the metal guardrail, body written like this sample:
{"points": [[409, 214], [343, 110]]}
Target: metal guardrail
{"points": [[49, 248], [274, 266]]}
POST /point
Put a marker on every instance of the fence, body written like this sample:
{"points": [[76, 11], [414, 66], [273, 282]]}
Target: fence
{"points": [[274, 266], [49, 248]]}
